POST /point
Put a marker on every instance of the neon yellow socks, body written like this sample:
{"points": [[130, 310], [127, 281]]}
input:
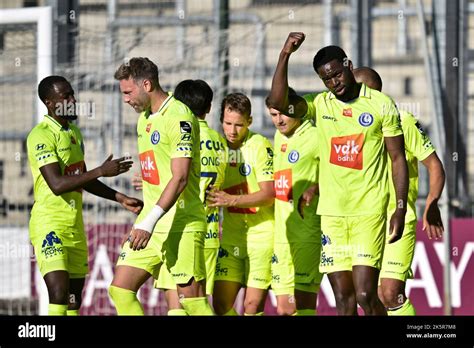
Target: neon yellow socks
{"points": [[406, 309], [126, 301], [306, 312], [197, 306], [57, 309], [231, 313], [177, 312], [258, 314], [72, 312]]}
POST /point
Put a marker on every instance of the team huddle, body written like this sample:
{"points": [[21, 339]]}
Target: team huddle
{"points": [[334, 195]]}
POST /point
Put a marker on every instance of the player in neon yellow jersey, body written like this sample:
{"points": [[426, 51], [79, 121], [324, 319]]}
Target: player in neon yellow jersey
{"points": [[197, 95], [170, 230], [297, 245], [357, 126], [398, 256], [246, 250], [56, 158]]}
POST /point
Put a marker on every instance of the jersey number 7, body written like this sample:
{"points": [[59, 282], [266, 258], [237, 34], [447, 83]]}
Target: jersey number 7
{"points": [[213, 176]]}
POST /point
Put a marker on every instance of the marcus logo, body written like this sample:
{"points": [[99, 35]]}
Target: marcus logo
{"points": [[52, 245], [283, 185], [346, 151]]}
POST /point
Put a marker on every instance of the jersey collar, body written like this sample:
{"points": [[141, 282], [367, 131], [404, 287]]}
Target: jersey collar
{"points": [[365, 92], [247, 137], [163, 105], [203, 122], [303, 126], [53, 123]]}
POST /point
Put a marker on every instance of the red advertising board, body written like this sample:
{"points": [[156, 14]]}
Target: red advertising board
{"points": [[425, 290]]}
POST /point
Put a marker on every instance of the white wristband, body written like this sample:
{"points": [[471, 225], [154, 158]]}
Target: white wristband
{"points": [[149, 222]]}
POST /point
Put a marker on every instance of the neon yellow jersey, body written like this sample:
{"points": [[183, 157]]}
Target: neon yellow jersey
{"points": [[353, 163], [418, 147], [247, 166], [48, 142], [171, 132], [213, 165], [296, 169]]}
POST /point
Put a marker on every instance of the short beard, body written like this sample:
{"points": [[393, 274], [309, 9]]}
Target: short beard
{"points": [[69, 117]]}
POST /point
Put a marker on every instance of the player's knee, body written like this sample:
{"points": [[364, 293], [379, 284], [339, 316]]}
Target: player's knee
{"points": [[344, 298], [380, 294], [366, 299], [286, 311], [393, 297], [251, 305], [221, 306], [58, 294]]}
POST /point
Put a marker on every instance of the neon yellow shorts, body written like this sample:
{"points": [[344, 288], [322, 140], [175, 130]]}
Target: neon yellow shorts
{"points": [[351, 241], [165, 281], [398, 256], [295, 266], [181, 252], [249, 266], [60, 249]]}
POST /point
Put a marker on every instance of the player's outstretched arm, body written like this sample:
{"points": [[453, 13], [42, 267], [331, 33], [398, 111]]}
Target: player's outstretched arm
{"points": [[100, 189], [141, 232], [278, 97], [432, 223], [60, 184], [264, 197], [396, 150]]}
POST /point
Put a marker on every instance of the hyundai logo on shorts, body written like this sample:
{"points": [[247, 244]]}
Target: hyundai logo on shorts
{"points": [[293, 156], [244, 169], [155, 137], [366, 119]]}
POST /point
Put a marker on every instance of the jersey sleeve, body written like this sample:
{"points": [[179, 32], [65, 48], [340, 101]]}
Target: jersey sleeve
{"points": [[417, 141], [264, 161], [42, 148], [310, 98], [222, 162], [183, 136], [391, 125]]}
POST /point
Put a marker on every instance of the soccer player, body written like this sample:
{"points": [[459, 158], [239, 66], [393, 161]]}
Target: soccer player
{"points": [[246, 250], [171, 228], [56, 157], [398, 256], [357, 126], [297, 241], [197, 95]]}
